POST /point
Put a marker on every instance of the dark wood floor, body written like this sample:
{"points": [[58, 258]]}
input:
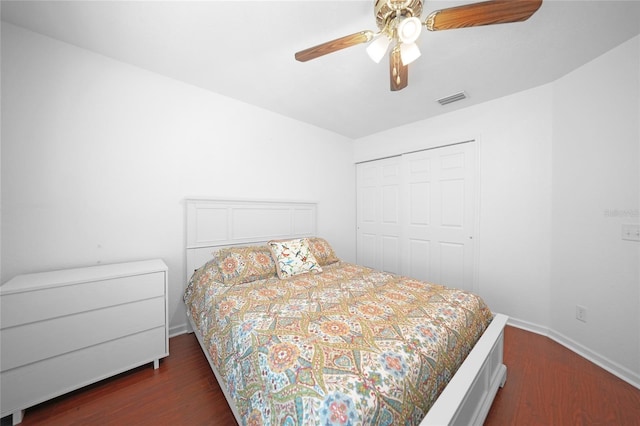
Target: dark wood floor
{"points": [[546, 385]]}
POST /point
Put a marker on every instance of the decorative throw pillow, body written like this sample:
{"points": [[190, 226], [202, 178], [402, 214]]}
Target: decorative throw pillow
{"points": [[293, 257], [322, 251], [239, 265]]}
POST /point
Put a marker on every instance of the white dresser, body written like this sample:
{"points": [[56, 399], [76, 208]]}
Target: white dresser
{"points": [[62, 330]]}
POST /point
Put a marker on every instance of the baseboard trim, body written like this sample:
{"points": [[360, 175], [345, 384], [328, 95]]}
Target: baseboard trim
{"points": [[529, 326], [612, 367], [178, 330]]}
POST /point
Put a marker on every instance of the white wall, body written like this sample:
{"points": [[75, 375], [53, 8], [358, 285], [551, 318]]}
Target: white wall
{"points": [[98, 156], [554, 160], [596, 174]]}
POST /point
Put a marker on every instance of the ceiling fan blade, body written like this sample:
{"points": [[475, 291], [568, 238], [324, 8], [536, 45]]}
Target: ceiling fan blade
{"points": [[334, 45], [398, 72], [484, 13]]}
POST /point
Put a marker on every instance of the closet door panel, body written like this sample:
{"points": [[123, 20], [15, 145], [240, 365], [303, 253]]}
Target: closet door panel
{"points": [[452, 203], [452, 264], [420, 206], [390, 254], [367, 250], [379, 214], [418, 252]]}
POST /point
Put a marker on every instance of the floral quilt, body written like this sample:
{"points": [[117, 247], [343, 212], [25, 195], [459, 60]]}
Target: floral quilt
{"points": [[348, 346]]}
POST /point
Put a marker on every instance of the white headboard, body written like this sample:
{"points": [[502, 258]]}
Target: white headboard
{"points": [[213, 224]]}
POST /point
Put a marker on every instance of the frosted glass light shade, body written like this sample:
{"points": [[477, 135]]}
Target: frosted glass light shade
{"points": [[409, 30], [378, 48], [409, 52]]}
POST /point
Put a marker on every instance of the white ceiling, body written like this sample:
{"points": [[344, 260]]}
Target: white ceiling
{"points": [[245, 50]]}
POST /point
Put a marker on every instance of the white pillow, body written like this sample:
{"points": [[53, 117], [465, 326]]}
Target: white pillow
{"points": [[293, 257]]}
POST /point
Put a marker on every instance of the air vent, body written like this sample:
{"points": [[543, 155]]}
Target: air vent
{"points": [[453, 98]]}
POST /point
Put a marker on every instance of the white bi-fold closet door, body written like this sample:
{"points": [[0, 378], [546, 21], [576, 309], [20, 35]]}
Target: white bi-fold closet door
{"points": [[416, 214]]}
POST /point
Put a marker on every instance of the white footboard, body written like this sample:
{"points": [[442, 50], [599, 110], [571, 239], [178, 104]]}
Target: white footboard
{"points": [[468, 397]]}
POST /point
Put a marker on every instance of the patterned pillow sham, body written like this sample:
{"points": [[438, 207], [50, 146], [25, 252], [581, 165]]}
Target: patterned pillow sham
{"points": [[239, 265], [293, 257], [202, 276], [322, 251]]}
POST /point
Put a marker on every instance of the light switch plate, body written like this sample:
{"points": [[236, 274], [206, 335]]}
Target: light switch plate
{"points": [[631, 232]]}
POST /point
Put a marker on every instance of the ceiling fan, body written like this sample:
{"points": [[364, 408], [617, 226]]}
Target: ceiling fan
{"points": [[399, 26]]}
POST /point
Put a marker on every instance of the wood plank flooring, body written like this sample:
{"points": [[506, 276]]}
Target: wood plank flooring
{"points": [[546, 385]]}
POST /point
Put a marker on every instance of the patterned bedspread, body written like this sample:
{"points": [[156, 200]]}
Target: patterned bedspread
{"points": [[348, 346]]}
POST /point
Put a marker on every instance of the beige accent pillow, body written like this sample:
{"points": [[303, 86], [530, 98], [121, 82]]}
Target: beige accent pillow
{"points": [[239, 265], [322, 251]]}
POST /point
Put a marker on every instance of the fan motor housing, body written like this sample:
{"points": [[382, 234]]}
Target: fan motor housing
{"points": [[384, 10]]}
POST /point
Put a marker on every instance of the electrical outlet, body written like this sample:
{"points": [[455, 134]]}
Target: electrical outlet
{"points": [[581, 313]]}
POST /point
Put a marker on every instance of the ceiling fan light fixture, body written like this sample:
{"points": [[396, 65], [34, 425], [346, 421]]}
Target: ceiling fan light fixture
{"points": [[409, 29], [409, 52], [399, 23], [378, 48]]}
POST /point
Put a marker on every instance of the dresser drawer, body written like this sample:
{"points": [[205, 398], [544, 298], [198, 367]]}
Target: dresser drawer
{"points": [[45, 339], [35, 383], [42, 304]]}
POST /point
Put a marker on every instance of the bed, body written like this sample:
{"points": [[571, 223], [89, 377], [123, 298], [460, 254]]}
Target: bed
{"points": [[323, 341]]}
